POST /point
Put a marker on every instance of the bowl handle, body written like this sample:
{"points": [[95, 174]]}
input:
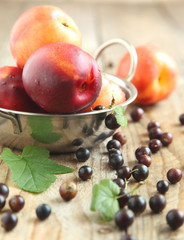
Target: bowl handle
{"points": [[128, 46], [14, 119]]}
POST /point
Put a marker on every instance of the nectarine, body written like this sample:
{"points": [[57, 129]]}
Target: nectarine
{"points": [[62, 78], [108, 92], [12, 93], [156, 74], [39, 26]]}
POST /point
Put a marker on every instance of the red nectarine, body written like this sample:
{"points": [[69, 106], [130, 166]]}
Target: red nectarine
{"points": [[39, 26], [156, 74], [62, 78], [12, 93], [108, 92]]}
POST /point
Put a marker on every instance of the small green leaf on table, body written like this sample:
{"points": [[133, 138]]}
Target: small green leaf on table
{"points": [[104, 198], [33, 171]]}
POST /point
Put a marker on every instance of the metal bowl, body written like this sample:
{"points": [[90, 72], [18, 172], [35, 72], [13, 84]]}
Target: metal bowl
{"points": [[64, 132]]}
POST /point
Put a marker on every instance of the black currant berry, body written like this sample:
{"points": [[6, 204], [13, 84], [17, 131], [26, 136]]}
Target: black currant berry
{"points": [[8, 221], [140, 172], [153, 124], [181, 118], [82, 154], [155, 133], [155, 145], [85, 173], [4, 190], [166, 138], [43, 211], [142, 150], [113, 144], [137, 204], [145, 159], [120, 182], [114, 151], [124, 218], [116, 161], [174, 175], [157, 203], [120, 137], [123, 197], [162, 186], [136, 114], [175, 218], [111, 122], [68, 190], [2, 201], [16, 203], [124, 172]]}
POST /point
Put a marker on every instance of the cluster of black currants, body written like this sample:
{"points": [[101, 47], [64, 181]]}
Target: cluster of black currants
{"points": [[9, 219]]}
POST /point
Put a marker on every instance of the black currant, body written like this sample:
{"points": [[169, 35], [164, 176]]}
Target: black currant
{"points": [[162, 186], [137, 204], [123, 197], [145, 159], [113, 144], [2, 201], [114, 151], [120, 137], [140, 172], [4, 190], [155, 133], [175, 218], [82, 154], [153, 124], [166, 138], [124, 218], [155, 145], [120, 182], [16, 203], [85, 173], [124, 172], [136, 114], [8, 221], [111, 122], [142, 150], [68, 190], [157, 203], [43, 211], [115, 161], [174, 175]]}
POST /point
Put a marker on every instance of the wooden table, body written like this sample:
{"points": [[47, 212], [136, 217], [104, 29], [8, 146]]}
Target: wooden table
{"points": [[160, 24]]}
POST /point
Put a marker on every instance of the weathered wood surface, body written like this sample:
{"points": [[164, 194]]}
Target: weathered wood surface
{"points": [[160, 24]]}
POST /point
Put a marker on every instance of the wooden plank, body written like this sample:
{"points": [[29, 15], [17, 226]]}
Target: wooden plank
{"points": [[159, 25]]}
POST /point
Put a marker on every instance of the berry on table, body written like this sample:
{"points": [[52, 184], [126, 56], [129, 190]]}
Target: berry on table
{"points": [[140, 172], [162, 186], [155, 133], [136, 114], [115, 161], [82, 154], [16, 203], [142, 150], [123, 197], [68, 190], [113, 144], [124, 218], [85, 173], [120, 182], [120, 137], [43, 211], [145, 159], [8, 221], [137, 204], [2, 201], [153, 124], [124, 172], [174, 175], [155, 145], [175, 218], [4, 190], [166, 138], [157, 203], [114, 151]]}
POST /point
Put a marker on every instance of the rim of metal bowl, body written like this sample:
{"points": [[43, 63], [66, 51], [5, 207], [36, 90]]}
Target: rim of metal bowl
{"points": [[121, 82]]}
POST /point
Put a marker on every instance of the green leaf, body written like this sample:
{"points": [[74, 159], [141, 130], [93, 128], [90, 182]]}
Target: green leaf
{"points": [[42, 130], [104, 198], [33, 170], [120, 116]]}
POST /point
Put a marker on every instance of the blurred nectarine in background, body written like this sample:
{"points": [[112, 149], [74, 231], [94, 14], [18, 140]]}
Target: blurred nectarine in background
{"points": [[39, 26], [156, 74]]}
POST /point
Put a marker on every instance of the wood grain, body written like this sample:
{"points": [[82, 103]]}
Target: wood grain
{"points": [[160, 24]]}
